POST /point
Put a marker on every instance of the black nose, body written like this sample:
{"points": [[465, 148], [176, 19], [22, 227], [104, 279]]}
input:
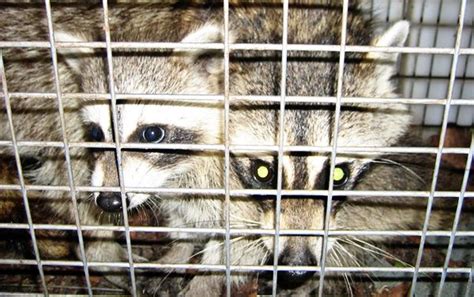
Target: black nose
{"points": [[295, 256], [110, 202], [293, 278]]}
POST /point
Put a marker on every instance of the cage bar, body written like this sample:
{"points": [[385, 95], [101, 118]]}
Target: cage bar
{"points": [[457, 218], [242, 46], [70, 174], [227, 149], [237, 231], [340, 81], [245, 148], [441, 144], [220, 98], [24, 194], [281, 144], [118, 149], [244, 268]]}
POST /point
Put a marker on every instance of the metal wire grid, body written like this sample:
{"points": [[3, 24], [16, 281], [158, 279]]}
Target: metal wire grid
{"points": [[66, 148], [440, 153], [227, 244], [430, 18], [340, 78], [20, 177], [281, 141], [118, 150], [226, 47]]}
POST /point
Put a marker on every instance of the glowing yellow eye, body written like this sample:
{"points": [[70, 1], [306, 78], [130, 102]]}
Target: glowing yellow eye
{"points": [[339, 174], [262, 172]]}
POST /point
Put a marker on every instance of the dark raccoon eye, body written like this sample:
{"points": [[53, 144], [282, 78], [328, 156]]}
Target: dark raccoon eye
{"points": [[341, 175], [262, 172], [96, 133], [153, 134]]}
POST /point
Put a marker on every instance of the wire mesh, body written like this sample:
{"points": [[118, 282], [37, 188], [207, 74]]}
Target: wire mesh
{"points": [[441, 145], [340, 78], [227, 47], [66, 147], [118, 151]]}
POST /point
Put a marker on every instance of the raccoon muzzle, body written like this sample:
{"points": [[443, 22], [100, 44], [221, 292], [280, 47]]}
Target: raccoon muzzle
{"points": [[295, 257]]}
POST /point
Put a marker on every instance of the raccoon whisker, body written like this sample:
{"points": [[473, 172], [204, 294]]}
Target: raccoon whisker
{"points": [[90, 197], [382, 252], [391, 162], [138, 210], [237, 225], [264, 258], [337, 259], [374, 251], [354, 258], [101, 215], [233, 240], [162, 281], [362, 247], [153, 206], [244, 219], [349, 254], [249, 247], [261, 244], [233, 223], [335, 256]]}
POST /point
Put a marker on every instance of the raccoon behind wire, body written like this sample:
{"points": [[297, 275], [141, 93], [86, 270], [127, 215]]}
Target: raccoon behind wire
{"points": [[252, 73]]}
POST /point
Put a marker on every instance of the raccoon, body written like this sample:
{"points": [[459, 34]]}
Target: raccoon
{"points": [[308, 74], [190, 122], [84, 70]]}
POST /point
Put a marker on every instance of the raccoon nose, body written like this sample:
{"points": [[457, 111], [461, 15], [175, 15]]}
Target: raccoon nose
{"points": [[110, 202], [294, 278]]}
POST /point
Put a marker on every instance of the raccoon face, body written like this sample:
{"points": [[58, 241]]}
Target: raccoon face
{"points": [[312, 124], [146, 168], [300, 171], [141, 121]]}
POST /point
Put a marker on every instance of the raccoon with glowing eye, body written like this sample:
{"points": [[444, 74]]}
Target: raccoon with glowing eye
{"points": [[180, 122]]}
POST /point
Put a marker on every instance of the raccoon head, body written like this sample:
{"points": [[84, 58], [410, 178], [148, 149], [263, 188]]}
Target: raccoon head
{"points": [[140, 121], [366, 125]]}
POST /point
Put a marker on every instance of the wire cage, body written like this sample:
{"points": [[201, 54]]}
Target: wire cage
{"points": [[55, 239]]}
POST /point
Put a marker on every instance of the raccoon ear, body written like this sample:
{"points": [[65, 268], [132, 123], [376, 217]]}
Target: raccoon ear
{"points": [[209, 33], [395, 36], [72, 56]]}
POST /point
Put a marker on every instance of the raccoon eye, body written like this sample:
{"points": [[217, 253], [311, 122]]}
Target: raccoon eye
{"points": [[153, 134], [341, 175], [96, 133], [262, 172]]}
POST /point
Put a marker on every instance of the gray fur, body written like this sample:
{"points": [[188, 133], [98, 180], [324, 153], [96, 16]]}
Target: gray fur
{"points": [[252, 73]]}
